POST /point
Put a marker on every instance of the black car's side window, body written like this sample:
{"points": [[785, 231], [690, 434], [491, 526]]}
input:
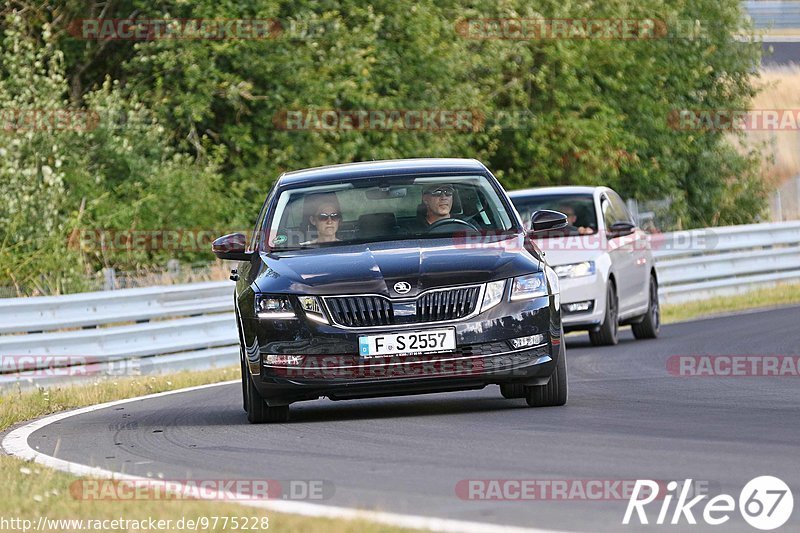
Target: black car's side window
{"points": [[259, 228]]}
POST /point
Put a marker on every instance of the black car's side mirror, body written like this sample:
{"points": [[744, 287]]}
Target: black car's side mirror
{"points": [[231, 246], [620, 229], [544, 220]]}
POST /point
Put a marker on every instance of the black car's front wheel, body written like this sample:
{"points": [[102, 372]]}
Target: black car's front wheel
{"points": [[555, 392], [258, 412], [244, 385]]}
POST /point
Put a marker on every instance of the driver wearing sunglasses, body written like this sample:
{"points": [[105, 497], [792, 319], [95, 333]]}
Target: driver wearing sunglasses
{"points": [[438, 200]]}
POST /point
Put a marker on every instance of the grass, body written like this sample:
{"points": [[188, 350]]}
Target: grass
{"points": [[21, 405], [29, 490], [784, 294]]}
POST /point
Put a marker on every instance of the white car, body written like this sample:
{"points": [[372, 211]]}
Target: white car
{"points": [[603, 261]]}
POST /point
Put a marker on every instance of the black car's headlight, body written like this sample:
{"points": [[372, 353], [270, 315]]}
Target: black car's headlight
{"points": [[313, 309], [493, 294], [530, 286], [274, 306]]}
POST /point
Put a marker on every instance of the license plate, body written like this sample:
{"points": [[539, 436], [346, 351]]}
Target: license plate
{"points": [[434, 340]]}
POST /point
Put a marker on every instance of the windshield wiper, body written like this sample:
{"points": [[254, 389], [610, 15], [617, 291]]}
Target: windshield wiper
{"points": [[291, 248]]}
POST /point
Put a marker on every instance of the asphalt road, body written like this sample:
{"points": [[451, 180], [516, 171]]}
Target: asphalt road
{"points": [[627, 418]]}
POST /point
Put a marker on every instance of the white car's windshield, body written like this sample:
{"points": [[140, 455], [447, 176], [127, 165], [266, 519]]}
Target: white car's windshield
{"points": [[386, 208], [579, 208]]}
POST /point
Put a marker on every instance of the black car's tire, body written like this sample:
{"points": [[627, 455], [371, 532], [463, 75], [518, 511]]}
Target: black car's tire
{"points": [[650, 325], [244, 385], [608, 332], [512, 390], [555, 392], [258, 412]]}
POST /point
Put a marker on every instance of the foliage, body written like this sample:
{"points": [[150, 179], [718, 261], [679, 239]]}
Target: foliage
{"points": [[32, 154], [109, 166]]}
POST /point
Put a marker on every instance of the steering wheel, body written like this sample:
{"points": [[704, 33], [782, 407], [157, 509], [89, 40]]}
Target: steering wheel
{"points": [[435, 227]]}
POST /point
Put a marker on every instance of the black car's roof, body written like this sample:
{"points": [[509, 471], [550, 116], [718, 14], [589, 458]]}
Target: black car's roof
{"points": [[392, 167]]}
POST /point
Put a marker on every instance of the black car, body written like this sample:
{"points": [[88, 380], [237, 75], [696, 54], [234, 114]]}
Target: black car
{"points": [[390, 278]]}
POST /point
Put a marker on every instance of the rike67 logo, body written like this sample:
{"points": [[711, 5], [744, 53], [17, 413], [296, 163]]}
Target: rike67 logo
{"points": [[766, 503]]}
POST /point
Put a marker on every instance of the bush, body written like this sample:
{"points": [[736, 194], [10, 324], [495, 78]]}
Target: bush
{"points": [[118, 172]]}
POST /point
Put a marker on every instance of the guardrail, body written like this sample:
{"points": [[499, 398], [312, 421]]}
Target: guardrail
{"points": [[173, 327], [55, 339], [48, 313], [703, 263]]}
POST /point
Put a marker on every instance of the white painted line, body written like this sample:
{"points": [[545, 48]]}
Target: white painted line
{"points": [[16, 444]]}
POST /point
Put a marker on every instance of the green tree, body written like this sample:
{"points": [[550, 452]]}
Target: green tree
{"points": [[115, 171]]}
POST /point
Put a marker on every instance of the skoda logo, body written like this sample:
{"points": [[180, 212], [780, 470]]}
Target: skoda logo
{"points": [[402, 287]]}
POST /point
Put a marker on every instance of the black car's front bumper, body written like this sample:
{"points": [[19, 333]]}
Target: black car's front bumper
{"points": [[330, 365]]}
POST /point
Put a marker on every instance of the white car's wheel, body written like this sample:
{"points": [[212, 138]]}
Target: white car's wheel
{"points": [[608, 332], [650, 325]]}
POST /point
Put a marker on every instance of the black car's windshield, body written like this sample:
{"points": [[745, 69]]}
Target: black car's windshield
{"points": [[579, 208], [386, 208]]}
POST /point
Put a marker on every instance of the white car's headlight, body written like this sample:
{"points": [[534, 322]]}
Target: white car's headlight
{"points": [[274, 306], [530, 286], [493, 295], [575, 270], [313, 309]]}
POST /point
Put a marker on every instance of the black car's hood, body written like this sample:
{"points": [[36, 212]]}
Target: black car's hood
{"points": [[376, 267]]}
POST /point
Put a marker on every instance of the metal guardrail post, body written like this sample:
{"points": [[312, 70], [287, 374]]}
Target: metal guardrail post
{"points": [[109, 279]]}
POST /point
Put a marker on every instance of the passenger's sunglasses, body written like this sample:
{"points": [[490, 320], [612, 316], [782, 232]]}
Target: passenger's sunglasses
{"points": [[447, 191], [329, 216]]}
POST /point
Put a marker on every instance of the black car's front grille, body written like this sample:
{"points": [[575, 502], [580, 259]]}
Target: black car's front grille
{"points": [[359, 311], [450, 304], [434, 306]]}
